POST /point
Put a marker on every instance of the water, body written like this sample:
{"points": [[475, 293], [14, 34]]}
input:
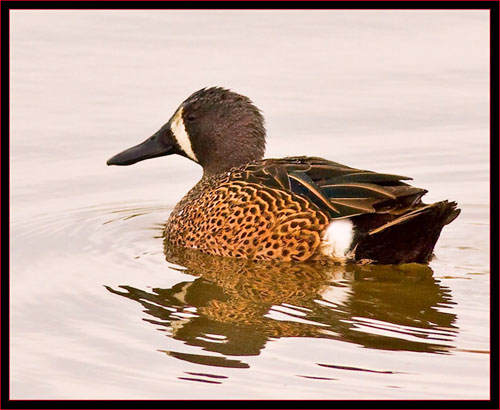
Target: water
{"points": [[101, 310]]}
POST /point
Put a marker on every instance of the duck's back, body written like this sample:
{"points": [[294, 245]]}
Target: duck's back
{"points": [[298, 208]]}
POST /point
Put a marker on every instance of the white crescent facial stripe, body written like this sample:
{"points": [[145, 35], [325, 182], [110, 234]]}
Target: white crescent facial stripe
{"points": [[180, 134]]}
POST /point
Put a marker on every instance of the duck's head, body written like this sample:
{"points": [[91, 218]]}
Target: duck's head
{"points": [[214, 127]]}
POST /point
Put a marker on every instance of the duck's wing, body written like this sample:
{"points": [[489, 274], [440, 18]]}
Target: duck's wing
{"points": [[338, 190]]}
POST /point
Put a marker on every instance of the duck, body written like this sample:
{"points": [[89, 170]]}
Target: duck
{"points": [[297, 208]]}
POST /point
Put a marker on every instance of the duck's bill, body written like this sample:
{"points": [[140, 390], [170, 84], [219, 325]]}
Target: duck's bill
{"points": [[153, 147]]}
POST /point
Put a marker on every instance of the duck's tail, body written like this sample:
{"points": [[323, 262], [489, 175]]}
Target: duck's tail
{"points": [[408, 238]]}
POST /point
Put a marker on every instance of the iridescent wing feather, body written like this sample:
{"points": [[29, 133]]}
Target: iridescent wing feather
{"points": [[338, 190]]}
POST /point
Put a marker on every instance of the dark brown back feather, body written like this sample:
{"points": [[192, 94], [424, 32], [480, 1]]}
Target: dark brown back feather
{"points": [[336, 189]]}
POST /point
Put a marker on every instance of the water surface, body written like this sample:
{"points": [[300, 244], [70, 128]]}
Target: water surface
{"points": [[101, 308]]}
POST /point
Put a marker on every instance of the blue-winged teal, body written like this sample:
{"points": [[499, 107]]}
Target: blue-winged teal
{"points": [[294, 208]]}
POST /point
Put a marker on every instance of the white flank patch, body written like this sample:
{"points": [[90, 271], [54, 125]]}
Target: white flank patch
{"points": [[180, 134], [337, 238]]}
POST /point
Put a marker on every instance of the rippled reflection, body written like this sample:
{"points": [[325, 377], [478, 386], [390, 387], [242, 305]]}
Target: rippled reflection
{"points": [[234, 307]]}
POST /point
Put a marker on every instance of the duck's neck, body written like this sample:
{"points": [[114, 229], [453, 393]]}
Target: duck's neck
{"points": [[246, 143], [223, 159], [218, 168]]}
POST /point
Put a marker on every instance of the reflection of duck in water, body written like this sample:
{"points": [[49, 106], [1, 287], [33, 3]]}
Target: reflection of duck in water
{"points": [[296, 208], [235, 305]]}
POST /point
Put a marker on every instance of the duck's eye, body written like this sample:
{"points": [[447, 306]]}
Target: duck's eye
{"points": [[191, 117]]}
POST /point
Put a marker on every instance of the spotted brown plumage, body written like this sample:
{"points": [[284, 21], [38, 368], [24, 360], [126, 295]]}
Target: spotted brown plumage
{"points": [[232, 216], [289, 209]]}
